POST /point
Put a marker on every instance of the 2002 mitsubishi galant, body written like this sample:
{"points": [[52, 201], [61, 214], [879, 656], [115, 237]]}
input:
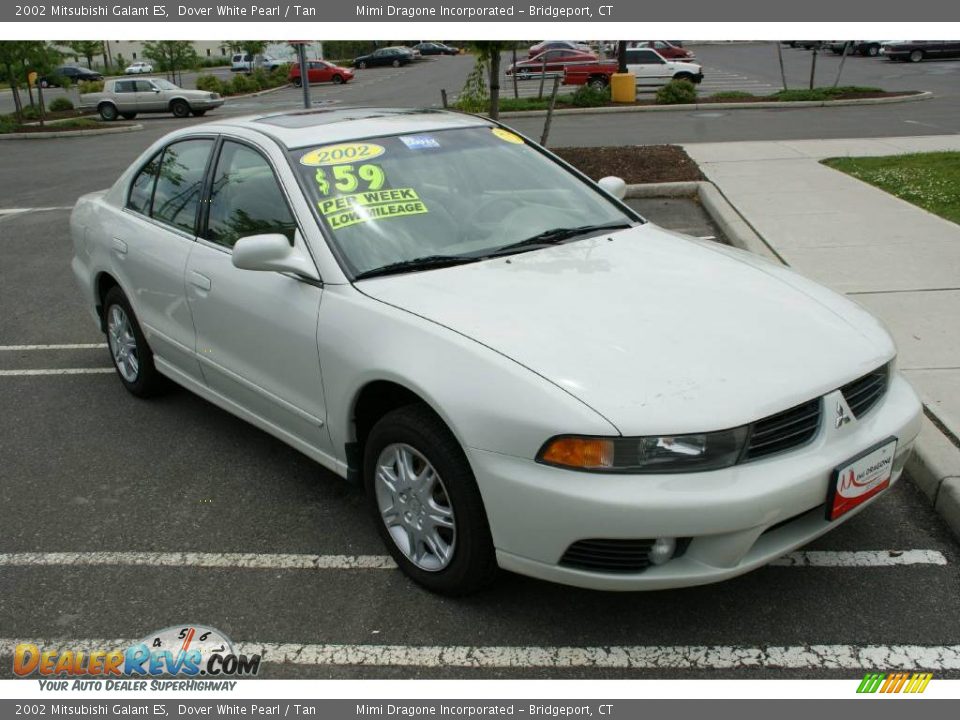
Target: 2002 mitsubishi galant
{"points": [[522, 371]]}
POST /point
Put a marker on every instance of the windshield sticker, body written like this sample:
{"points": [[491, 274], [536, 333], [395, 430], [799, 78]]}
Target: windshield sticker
{"points": [[343, 153], [507, 136], [347, 179], [419, 142], [349, 210]]}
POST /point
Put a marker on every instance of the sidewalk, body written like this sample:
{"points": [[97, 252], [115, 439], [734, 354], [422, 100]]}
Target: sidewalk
{"points": [[899, 261]]}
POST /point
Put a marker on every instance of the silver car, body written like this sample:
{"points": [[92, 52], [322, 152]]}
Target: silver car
{"points": [[124, 97]]}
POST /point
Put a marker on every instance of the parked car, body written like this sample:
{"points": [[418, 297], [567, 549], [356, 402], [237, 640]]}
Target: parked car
{"points": [[805, 44], [413, 269], [412, 50], [435, 48], [126, 98], [139, 68], [918, 50], [245, 62], [73, 73], [320, 71], [666, 49], [394, 56], [558, 45], [870, 48], [549, 61], [650, 68]]}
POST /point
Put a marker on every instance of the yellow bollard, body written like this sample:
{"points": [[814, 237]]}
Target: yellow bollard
{"points": [[623, 87]]}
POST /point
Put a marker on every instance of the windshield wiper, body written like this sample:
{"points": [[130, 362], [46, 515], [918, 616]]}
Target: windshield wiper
{"points": [[428, 262], [555, 236]]}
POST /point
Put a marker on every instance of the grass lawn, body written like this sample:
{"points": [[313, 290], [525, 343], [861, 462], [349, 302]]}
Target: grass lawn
{"points": [[928, 180]]}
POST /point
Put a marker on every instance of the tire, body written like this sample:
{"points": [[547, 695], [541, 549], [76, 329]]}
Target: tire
{"points": [[128, 116], [415, 430], [916, 56], [396, 63], [199, 113], [124, 331], [180, 109], [598, 83], [108, 112], [297, 82], [338, 79], [872, 51], [362, 66]]}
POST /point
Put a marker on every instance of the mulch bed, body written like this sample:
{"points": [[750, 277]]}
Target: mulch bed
{"points": [[761, 98], [633, 163], [56, 127]]}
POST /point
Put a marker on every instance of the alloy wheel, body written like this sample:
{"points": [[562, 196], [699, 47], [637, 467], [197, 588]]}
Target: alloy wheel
{"points": [[123, 344], [415, 507]]}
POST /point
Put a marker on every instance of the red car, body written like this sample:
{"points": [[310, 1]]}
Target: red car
{"points": [[666, 49], [320, 71], [551, 61]]}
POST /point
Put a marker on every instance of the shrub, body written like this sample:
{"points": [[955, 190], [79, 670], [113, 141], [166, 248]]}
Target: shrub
{"points": [[210, 83], [260, 78], [90, 86], [8, 124], [60, 104], [588, 96], [31, 112], [677, 92], [241, 84]]}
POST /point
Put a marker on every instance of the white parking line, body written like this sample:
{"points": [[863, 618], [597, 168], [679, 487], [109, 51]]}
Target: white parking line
{"points": [[56, 371], [14, 211], [687, 657], [208, 560], [860, 558], [74, 346]]}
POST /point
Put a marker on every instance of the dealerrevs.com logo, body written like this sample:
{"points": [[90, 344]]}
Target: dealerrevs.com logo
{"points": [[183, 651]]}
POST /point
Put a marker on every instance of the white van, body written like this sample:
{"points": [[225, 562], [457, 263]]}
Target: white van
{"points": [[245, 62]]}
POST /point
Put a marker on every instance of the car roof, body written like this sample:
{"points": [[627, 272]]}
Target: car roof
{"points": [[324, 126]]}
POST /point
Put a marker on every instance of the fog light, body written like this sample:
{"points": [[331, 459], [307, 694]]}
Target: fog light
{"points": [[662, 550]]}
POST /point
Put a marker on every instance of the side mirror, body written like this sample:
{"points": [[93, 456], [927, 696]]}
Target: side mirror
{"points": [[614, 185], [272, 252]]}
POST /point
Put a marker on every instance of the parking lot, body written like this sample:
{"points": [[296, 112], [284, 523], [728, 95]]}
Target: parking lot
{"points": [[124, 516]]}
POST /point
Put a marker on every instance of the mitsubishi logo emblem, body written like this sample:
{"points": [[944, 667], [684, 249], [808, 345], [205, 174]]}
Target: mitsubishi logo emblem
{"points": [[842, 417]]}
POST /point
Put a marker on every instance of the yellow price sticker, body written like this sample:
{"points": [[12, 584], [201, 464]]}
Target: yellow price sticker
{"points": [[342, 153], [507, 136]]}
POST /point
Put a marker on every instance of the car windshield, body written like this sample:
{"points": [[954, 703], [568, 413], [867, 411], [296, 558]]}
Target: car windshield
{"points": [[165, 84], [464, 193]]}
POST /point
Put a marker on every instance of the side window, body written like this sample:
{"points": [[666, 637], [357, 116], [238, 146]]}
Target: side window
{"points": [[123, 86], [144, 86], [245, 198], [179, 183], [142, 188]]}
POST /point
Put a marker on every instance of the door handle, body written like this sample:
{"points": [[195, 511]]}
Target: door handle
{"points": [[200, 280], [119, 246]]}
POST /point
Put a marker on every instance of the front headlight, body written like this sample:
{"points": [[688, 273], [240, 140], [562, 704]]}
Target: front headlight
{"points": [[695, 452]]}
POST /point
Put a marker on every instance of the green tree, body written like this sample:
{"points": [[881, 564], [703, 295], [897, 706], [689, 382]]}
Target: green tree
{"points": [[171, 56], [488, 54], [18, 59], [86, 49]]}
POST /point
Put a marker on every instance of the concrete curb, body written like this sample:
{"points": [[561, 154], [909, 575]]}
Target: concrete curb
{"points": [[71, 133], [925, 95], [934, 465], [258, 93]]}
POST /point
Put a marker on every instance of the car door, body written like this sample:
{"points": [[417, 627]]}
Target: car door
{"points": [[125, 95], [149, 97], [151, 242], [256, 331], [649, 67]]}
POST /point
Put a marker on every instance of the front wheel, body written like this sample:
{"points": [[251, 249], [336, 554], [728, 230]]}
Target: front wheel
{"points": [[338, 79], [363, 66], [683, 76], [396, 63], [108, 112], [179, 108], [873, 51], [129, 351], [598, 83], [916, 56], [297, 82], [426, 504]]}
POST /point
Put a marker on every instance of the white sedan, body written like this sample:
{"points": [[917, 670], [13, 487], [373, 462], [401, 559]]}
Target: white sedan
{"points": [[139, 68], [521, 371]]}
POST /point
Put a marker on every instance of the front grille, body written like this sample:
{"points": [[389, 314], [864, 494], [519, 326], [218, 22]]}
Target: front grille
{"points": [[863, 393], [783, 431], [623, 556]]}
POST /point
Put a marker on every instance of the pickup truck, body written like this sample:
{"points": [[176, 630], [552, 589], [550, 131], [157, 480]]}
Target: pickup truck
{"points": [[649, 66], [124, 97]]}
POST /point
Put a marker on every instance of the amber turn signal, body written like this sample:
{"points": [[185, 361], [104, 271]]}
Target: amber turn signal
{"points": [[578, 452]]}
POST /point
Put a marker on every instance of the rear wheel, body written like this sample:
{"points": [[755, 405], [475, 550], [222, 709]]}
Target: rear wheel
{"points": [[916, 56], [598, 82], [396, 63], [872, 50], [108, 112], [129, 351], [179, 108], [426, 504]]}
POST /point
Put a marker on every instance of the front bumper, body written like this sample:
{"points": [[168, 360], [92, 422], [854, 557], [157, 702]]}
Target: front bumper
{"points": [[206, 104], [738, 518]]}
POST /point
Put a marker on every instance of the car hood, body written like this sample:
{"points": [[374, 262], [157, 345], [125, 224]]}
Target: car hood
{"points": [[657, 332]]}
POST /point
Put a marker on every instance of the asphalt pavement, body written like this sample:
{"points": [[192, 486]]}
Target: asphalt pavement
{"points": [[90, 470]]}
